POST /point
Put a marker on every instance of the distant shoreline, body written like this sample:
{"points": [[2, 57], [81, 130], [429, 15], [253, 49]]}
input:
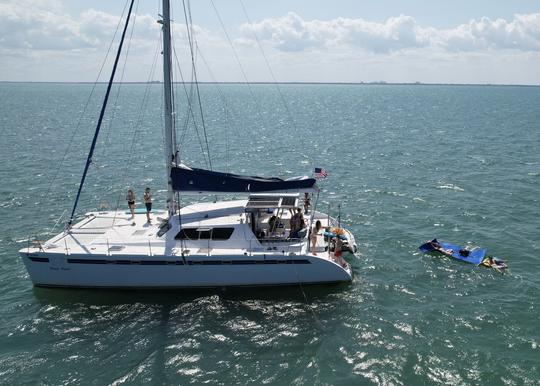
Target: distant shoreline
{"points": [[304, 83]]}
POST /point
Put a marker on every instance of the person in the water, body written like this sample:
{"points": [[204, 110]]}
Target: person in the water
{"points": [[438, 247]]}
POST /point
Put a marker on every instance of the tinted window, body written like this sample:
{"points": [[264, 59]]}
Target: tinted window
{"points": [[204, 234], [222, 233], [187, 233]]}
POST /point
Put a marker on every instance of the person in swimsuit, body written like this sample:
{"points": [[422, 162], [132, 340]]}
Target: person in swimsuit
{"points": [[147, 197], [464, 252], [313, 236], [338, 246], [297, 223], [307, 202], [130, 198], [272, 224], [499, 265], [438, 247]]}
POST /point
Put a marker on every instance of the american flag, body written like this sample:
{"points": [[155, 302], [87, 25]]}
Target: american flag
{"points": [[320, 173]]}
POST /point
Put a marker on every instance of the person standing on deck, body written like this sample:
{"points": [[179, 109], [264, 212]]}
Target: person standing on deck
{"points": [[307, 202], [313, 237], [338, 246], [147, 197], [130, 198], [297, 223]]}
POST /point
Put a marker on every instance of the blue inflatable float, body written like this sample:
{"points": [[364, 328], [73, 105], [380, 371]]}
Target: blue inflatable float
{"points": [[476, 256]]}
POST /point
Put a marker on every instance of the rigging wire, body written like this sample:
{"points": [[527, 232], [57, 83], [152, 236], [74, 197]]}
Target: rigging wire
{"points": [[173, 95], [189, 97], [102, 113], [238, 61], [278, 88], [139, 121], [115, 105], [78, 125], [120, 83], [194, 69], [282, 98], [190, 112], [228, 108]]}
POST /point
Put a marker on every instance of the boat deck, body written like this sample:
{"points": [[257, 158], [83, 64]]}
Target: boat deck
{"points": [[118, 234], [216, 245]]}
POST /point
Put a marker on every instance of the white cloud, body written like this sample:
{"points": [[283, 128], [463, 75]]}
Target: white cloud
{"points": [[292, 33], [44, 25], [41, 40], [522, 33]]}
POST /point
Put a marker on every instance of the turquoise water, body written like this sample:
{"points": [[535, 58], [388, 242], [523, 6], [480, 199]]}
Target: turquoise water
{"points": [[407, 163]]}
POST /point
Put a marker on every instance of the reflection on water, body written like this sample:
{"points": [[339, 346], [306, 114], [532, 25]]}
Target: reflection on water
{"points": [[106, 297]]}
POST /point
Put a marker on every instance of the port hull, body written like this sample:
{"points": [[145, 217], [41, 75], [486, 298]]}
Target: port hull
{"points": [[57, 270]]}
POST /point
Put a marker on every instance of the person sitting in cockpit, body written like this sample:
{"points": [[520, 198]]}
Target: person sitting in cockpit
{"points": [[297, 223]]}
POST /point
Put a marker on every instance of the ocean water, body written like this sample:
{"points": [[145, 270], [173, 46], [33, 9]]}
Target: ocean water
{"points": [[406, 163]]}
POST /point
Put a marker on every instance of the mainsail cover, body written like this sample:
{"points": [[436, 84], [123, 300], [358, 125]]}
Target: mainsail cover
{"points": [[191, 180]]}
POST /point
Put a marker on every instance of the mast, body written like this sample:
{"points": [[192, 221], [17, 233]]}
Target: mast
{"points": [[170, 151]]}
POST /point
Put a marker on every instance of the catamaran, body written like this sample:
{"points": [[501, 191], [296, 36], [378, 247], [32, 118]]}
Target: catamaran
{"points": [[244, 242]]}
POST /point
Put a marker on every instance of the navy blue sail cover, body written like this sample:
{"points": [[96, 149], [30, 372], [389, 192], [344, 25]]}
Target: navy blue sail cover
{"points": [[186, 179]]}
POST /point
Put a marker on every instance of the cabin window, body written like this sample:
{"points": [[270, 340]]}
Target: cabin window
{"points": [[222, 233], [187, 234], [204, 234]]}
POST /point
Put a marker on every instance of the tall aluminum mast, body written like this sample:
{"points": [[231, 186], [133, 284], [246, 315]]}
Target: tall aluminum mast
{"points": [[170, 146]]}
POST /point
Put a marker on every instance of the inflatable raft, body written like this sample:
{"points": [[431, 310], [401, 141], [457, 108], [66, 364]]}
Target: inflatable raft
{"points": [[476, 256]]}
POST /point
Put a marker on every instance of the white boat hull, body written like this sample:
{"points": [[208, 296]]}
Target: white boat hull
{"points": [[58, 270]]}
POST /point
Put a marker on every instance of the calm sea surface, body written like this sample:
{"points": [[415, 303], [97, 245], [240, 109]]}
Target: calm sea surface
{"points": [[407, 163]]}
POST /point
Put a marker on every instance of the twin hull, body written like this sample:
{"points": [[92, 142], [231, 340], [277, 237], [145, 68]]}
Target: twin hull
{"points": [[60, 270]]}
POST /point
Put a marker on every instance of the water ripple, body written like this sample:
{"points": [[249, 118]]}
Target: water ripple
{"points": [[407, 319]]}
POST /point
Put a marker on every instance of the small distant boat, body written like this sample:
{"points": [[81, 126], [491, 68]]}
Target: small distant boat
{"points": [[476, 256]]}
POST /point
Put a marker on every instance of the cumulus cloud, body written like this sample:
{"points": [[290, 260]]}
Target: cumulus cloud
{"points": [[41, 40], [292, 33], [28, 24], [522, 33], [44, 25]]}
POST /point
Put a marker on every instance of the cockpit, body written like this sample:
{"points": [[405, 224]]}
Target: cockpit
{"points": [[276, 217]]}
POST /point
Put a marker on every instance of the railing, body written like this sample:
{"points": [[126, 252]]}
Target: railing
{"points": [[254, 245]]}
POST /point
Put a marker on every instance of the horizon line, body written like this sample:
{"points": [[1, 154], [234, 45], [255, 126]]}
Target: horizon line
{"points": [[293, 82]]}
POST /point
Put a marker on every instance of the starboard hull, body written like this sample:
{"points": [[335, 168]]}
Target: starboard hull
{"points": [[145, 272]]}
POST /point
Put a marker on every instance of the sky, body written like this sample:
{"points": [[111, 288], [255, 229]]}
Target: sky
{"points": [[429, 41]]}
